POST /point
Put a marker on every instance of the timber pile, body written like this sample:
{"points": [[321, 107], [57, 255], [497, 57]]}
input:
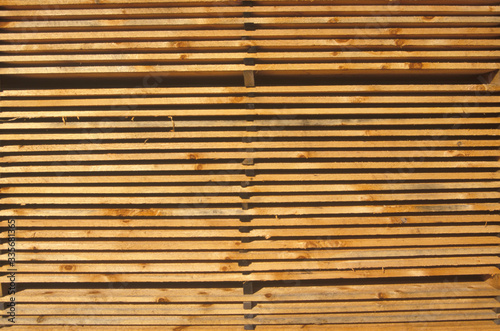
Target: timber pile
{"points": [[260, 165]]}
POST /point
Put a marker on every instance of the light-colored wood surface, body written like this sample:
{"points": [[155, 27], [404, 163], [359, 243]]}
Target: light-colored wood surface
{"points": [[275, 164]]}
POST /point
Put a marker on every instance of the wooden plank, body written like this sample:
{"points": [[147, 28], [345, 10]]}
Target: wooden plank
{"points": [[254, 267], [203, 58], [233, 21], [257, 99], [279, 319], [262, 124], [384, 32], [252, 255], [262, 233], [189, 211], [207, 200], [136, 91], [260, 10], [478, 68], [231, 188], [165, 244], [263, 308], [259, 123], [382, 274], [395, 176], [305, 293], [460, 109], [255, 136], [35, 3], [260, 166], [242, 45], [109, 157], [418, 143], [256, 222], [420, 326]]}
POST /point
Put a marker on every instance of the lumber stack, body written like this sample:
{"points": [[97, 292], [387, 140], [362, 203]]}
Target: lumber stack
{"points": [[283, 164]]}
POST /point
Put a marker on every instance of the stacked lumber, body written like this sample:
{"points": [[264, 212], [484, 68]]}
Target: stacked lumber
{"points": [[225, 165]]}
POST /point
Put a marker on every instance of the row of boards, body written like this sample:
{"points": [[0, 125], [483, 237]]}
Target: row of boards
{"points": [[267, 165]]}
